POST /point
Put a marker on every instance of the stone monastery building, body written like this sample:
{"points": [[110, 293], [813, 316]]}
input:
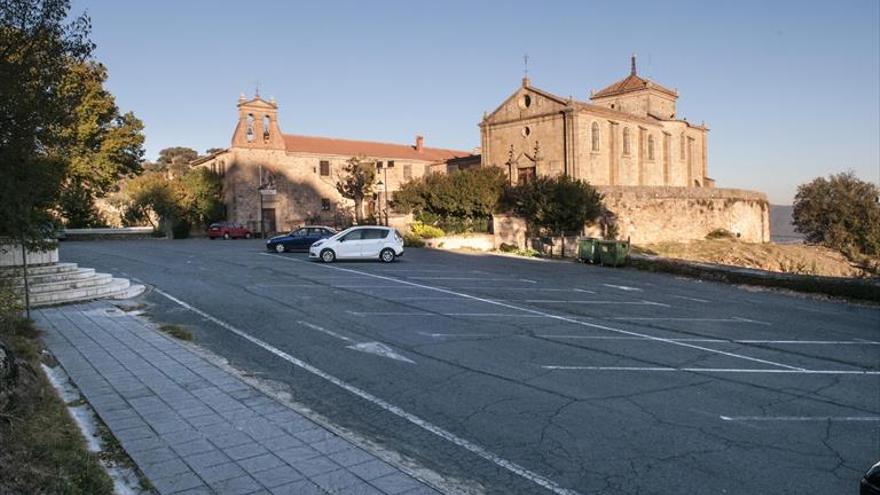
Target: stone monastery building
{"points": [[627, 135], [651, 166], [302, 171]]}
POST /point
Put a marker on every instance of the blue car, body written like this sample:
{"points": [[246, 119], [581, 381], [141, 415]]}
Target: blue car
{"points": [[299, 239]]}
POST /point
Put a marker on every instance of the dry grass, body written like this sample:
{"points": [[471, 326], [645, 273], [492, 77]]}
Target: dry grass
{"points": [[42, 448], [784, 258], [178, 332]]}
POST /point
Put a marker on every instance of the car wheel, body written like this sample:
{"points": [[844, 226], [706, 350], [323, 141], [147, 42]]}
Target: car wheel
{"points": [[211, 237], [279, 248], [226, 236], [387, 255], [247, 236], [328, 256]]}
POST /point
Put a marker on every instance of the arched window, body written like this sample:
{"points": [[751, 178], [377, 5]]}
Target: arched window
{"points": [[626, 140], [265, 127], [594, 136], [249, 134], [650, 147]]}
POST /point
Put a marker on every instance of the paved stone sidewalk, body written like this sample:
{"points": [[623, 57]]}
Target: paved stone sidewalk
{"points": [[193, 427]]}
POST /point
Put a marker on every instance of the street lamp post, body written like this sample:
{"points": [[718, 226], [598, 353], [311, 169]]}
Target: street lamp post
{"points": [[382, 195], [389, 164]]}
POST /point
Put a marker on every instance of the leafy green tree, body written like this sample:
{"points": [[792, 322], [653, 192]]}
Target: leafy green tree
{"points": [[176, 159], [177, 202], [556, 205], [211, 151], [456, 199], [101, 146], [198, 194], [841, 212], [148, 196], [356, 182], [37, 48]]}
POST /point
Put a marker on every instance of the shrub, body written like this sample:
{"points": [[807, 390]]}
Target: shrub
{"points": [[721, 234], [555, 205], [462, 199], [411, 240], [424, 231], [841, 212]]}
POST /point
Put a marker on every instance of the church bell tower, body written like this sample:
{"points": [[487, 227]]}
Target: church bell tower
{"points": [[257, 126]]}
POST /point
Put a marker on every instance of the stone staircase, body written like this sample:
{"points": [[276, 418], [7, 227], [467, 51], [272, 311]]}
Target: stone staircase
{"points": [[60, 283]]}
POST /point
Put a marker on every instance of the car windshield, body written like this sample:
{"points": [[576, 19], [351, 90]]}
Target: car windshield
{"points": [[342, 233]]}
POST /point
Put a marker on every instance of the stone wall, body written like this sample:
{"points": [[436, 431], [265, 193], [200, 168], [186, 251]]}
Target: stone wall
{"points": [[661, 214], [10, 255], [666, 214], [478, 242]]}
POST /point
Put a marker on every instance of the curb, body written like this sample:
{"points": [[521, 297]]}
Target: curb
{"points": [[850, 288]]}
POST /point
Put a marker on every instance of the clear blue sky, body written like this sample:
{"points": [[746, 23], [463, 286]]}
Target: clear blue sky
{"points": [[791, 90]]}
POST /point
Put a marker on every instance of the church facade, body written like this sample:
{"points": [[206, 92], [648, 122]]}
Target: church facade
{"points": [[278, 181], [628, 134], [650, 165]]}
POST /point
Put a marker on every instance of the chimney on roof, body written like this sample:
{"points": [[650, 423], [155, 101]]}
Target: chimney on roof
{"points": [[420, 143], [632, 70]]}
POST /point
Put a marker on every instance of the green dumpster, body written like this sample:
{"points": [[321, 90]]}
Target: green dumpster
{"points": [[613, 253], [588, 250]]}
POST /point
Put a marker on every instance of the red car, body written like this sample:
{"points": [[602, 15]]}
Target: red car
{"points": [[228, 230]]}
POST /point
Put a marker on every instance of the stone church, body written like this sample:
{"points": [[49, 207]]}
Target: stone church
{"points": [[628, 134], [288, 180], [650, 165]]}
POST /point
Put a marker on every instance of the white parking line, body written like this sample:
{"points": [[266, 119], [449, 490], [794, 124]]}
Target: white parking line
{"points": [[721, 341], [494, 315], [695, 299], [800, 418], [324, 330], [623, 287], [475, 315], [537, 289], [709, 370], [387, 406], [362, 286], [631, 303], [472, 278], [439, 335], [388, 313], [735, 319], [549, 315]]}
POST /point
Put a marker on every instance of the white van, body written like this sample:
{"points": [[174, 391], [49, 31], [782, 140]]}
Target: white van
{"points": [[360, 243]]}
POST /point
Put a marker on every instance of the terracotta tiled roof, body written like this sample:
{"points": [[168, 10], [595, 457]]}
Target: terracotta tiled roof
{"points": [[333, 146], [630, 83]]}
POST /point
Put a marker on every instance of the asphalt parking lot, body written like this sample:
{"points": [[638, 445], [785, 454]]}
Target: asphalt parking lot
{"points": [[505, 375]]}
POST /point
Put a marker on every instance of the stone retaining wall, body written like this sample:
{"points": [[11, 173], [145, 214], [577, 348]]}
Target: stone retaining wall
{"points": [[109, 233], [673, 214], [479, 242], [10, 255]]}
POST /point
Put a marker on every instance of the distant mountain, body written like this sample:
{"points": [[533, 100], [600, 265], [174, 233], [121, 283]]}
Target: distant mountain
{"points": [[781, 226]]}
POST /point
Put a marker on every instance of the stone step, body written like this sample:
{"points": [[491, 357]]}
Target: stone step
{"points": [[95, 280], [38, 269], [115, 287], [133, 290], [48, 278]]}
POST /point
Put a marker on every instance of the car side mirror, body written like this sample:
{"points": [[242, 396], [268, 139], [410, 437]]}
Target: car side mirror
{"points": [[341, 239]]}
